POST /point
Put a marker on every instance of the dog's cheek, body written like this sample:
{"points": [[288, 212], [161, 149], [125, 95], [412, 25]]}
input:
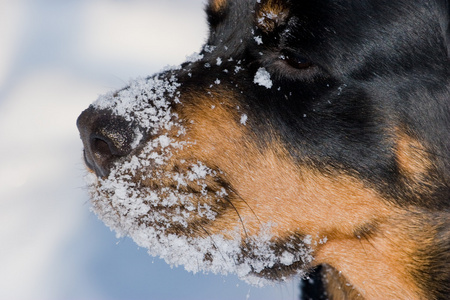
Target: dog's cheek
{"points": [[270, 186]]}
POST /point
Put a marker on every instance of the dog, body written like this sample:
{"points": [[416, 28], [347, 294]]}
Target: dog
{"points": [[307, 139]]}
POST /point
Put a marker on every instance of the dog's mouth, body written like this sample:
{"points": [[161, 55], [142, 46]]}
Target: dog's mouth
{"points": [[182, 213]]}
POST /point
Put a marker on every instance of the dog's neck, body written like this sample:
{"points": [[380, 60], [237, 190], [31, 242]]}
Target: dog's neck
{"points": [[408, 257]]}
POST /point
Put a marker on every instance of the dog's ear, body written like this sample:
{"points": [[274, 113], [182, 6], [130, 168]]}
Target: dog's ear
{"points": [[271, 14]]}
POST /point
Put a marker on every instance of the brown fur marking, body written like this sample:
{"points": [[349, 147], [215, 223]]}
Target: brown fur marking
{"points": [[271, 14], [366, 235], [218, 5], [383, 264], [413, 160], [313, 203]]}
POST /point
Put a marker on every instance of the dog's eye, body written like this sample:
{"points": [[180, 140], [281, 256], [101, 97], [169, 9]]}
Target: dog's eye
{"points": [[295, 61]]}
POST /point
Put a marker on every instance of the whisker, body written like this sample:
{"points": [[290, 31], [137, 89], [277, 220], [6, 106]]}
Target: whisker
{"points": [[251, 209], [239, 216]]}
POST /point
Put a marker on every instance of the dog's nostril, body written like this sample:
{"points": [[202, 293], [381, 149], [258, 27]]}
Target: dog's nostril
{"points": [[106, 138], [104, 150], [100, 146]]}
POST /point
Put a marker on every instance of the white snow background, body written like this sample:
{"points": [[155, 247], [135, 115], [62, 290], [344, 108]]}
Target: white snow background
{"points": [[56, 57]]}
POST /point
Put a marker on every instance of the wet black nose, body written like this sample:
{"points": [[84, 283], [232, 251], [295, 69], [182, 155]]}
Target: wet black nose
{"points": [[106, 138]]}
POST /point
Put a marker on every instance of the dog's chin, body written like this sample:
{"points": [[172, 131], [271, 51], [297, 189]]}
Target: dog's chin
{"points": [[173, 224], [280, 272]]}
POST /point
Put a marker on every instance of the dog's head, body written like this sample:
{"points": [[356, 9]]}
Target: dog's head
{"points": [[301, 127]]}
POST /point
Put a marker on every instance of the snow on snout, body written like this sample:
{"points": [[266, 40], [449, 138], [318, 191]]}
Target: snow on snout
{"points": [[158, 216], [145, 102]]}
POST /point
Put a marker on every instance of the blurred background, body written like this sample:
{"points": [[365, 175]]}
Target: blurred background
{"points": [[56, 57]]}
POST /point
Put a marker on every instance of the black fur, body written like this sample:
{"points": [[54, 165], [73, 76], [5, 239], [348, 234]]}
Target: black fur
{"points": [[312, 288]]}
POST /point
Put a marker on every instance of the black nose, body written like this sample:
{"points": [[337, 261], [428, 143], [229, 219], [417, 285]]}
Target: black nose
{"points": [[106, 138]]}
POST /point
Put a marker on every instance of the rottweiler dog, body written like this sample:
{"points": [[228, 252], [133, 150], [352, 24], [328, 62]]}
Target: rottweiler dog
{"points": [[308, 139]]}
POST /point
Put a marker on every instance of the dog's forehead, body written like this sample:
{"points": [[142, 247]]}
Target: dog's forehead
{"points": [[234, 22], [239, 25]]}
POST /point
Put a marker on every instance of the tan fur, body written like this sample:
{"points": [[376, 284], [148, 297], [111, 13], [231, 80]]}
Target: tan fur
{"points": [[271, 14], [301, 199], [415, 164], [218, 5], [273, 186], [380, 266], [411, 156]]}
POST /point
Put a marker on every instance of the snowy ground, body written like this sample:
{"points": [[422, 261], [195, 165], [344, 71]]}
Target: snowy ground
{"points": [[56, 58]]}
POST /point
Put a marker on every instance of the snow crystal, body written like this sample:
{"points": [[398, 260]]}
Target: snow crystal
{"points": [[287, 258], [244, 118], [307, 240], [194, 57], [164, 141], [138, 138], [341, 88], [199, 171], [262, 77], [258, 40], [209, 48], [269, 15]]}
